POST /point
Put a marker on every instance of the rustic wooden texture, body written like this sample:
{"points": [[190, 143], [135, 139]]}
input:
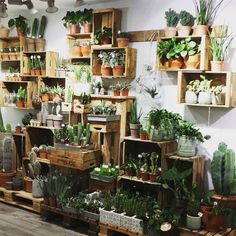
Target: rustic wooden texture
{"points": [[198, 164], [51, 60], [229, 202], [21, 199], [106, 230], [105, 127], [188, 232], [66, 107], [17, 222], [227, 79], [130, 61], [102, 186], [108, 17], [81, 160], [80, 108], [145, 36], [204, 54]]}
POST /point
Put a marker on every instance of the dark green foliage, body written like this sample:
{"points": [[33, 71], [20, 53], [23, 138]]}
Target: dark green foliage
{"points": [[19, 22], [87, 16], [35, 28], [172, 18], [42, 27], [72, 17], [134, 115], [186, 18], [105, 32], [26, 118], [193, 208]]}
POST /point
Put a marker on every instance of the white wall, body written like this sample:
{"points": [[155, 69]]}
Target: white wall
{"points": [[149, 14]]}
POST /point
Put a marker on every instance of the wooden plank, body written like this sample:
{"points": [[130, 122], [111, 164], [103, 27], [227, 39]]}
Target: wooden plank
{"points": [[107, 127], [145, 35]]}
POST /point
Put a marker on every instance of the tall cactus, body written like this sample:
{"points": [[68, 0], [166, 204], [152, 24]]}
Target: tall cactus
{"points": [[35, 28], [34, 166], [42, 26], [223, 170]]}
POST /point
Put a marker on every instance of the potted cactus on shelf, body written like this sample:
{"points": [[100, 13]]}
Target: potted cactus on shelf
{"points": [[153, 167], [122, 39], [134, 121], [217, 97], [172, 19], [58, 93], [145, 167], [143, 134], [21, 97], [186, 20]]}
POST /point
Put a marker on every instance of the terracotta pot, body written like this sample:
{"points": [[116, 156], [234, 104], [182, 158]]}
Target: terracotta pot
{"points": [[153, 177], [184, 31], [176, 64], [12, 56], [192, 62], [6, 177], [205, 210], [144, 176], [199, 30], [124, 92], [20, 104], [106, 71], [52, 202], [122, 42], [43, 72], [28, 184], [116, 92], [43, 154], [40, 45], [18, 129], [37, 72], [87, 28], [215, 223], [143, 136], [20, 33], [57, 98], [5, 56], [170, 32], [118, 70], [32, 72], [138, 173], [76, 51], [4, 32], [105, 40], [217, 66], [46, 200], [86, 50], [45, 97], [74, 29]]}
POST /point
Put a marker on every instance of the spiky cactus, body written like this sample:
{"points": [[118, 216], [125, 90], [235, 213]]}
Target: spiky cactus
{"points": [[34, 166], [43, 23], [223, 170], [87, 133], [79, 130]]}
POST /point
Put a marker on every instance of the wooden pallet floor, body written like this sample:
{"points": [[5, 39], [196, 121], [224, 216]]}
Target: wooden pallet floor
{"points": [[188, 232], [20, 199]]}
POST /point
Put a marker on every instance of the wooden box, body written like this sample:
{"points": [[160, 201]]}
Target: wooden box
{"points": [[204, 42], [50, 57], [110, 18], [80, 108], [66, 106], [218, 78], [130, 61], [105, 127], [81, 160]]}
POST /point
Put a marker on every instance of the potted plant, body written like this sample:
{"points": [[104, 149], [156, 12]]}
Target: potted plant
{"points": [[163, 47], [122, 39], [21, 25], [192, 90], [219, 48], [172, 19], [43, 150], [217, 95], [117, 62], [116, 89], [143, 134], [124, 91], [37, 68], [206, 205], [43, 67], [204, 89], [91, 208], [106, 210], [58, 93], [145, 167], [72, 19], [134, 121], [85, 48], [76, 51], [153, 167], [44, 93], [103, 36], [86, 20], [193, 214], [188, 136], [186, 20], [61, 67], [105, 58], [21, 97]]}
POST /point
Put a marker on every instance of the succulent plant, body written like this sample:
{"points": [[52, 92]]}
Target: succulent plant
{"points": [[34, 166]]}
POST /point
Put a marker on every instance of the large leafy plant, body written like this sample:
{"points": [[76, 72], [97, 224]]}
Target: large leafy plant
{"points": [[20, 23], [87, 16], [105, 32], [72, 17]]}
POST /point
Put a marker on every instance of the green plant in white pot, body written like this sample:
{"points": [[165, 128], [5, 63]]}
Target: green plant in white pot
{"points": [[191, 94], [188, 135], [204, 96], [193, 214], [135, 121], [217, 97]]}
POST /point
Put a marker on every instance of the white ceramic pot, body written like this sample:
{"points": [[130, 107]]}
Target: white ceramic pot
{"points": [[204, 98], [193, 222], [36, 190], [190, 97]]}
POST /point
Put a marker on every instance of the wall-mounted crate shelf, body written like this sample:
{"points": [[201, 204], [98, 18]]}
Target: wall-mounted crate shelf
{"points": [[227, 79], [204, 42], [108, 17], [130, 61], [50, 57]]}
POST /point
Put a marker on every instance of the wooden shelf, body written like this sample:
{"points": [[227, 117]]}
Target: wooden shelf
{"points": [[29, 76], [9, 60], [129, 138], [41, 160], [95, 96], [42, 52], [79, 36], [10, 38], [205, 105], [7, 81], [134, 178], [80, 58], [190, 159], [41, 127]]}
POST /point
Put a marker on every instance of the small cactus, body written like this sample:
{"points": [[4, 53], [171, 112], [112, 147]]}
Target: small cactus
{"points": [[34, 166]]}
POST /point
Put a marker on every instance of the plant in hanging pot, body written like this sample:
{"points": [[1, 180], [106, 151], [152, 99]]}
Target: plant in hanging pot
{"points": [[72, 19], [186, 20], [217, 97], [21, 97], [105, 58], [188, 136], [219, 48], [21, 25], [193, 214], [134, 121], [172, 19], [122, 39], [204, 90], [118, 63], [153, 167], [191, 94], [103, 36], [86, 20]]}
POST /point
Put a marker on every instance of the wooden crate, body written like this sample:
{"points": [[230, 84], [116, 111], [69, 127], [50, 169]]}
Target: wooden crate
{"points": [[81, 160], [50, 57], [80, 108], [108, 17], [21, 199], [204, 42], [130, 61], [66, 106], [13, 41], [188, 232], [218, 78], [105, 127]]}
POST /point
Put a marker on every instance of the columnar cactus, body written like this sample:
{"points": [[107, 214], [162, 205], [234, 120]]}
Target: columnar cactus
{"points": [[34, 166], [223, 170]]}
